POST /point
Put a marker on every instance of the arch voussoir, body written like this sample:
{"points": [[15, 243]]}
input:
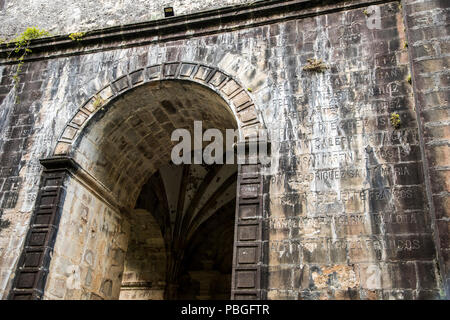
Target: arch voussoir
{"points": [[229, 88]]}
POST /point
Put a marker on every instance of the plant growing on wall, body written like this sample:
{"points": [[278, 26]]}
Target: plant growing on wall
{"points": [[408, 78], [395, 120], [315, 65], [98, 102], [77, 36], [22, 44]]}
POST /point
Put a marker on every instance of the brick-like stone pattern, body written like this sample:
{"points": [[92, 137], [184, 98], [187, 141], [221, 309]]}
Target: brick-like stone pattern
{"points": [[144, 274], [33, 268], [18, 122], [88, 257], [346, 213], [345, 207], [137, 141], [429, 46]]}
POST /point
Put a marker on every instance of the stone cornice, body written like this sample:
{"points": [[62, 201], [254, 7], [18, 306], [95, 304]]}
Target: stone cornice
{"points": [[58, 163], [183, 27]]}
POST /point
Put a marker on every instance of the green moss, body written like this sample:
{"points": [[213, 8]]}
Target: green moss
{"points": [[315, 65], [395, 120], [22, 43], [77, 36], [408, 78]]}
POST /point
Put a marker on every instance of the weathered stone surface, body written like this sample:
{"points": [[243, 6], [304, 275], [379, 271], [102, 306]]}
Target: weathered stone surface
{"points": [[62, 17], [352, 207], [427, 28]]}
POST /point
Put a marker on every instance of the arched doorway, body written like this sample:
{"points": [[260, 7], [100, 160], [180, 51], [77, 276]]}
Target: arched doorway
{"points": [[127, 148], [112, 176], [181, 239]]}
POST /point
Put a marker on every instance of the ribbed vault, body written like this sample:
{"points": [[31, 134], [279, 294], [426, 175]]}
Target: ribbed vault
{"points": [[193, 207]]}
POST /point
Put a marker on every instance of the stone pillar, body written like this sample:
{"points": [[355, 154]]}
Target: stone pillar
{"points": [[248, 266], [33, 266], [427, 32]]}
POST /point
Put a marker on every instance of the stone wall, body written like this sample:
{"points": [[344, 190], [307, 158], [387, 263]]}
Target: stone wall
{"points": [[88, 261], [347, 217], [64, 17], [144, 274], [19, 124], [347, 205], [428, 43]]}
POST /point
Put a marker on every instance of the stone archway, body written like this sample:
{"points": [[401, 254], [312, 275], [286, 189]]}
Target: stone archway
{"points": [[181, 238], [228, 88], [114, 144]]}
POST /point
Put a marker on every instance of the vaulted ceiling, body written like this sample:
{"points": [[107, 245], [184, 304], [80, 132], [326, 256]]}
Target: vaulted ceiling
{"points": [[194, 207]]}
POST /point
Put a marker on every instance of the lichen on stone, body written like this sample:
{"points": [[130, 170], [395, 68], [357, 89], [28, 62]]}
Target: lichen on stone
{"points": [[98, 102]]}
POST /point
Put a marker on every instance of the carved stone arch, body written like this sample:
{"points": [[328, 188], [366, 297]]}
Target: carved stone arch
{"points": [[238, 98], [249, 253]]}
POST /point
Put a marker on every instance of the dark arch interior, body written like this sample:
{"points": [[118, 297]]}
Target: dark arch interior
{"points": [[207, 271], [129, 139], [181, 216], [182, 242]]}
